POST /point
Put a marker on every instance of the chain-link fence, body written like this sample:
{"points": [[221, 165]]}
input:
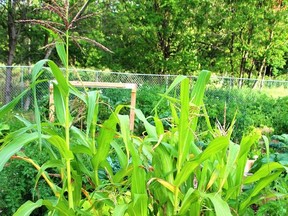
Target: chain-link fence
{"points": [[21, 76]]}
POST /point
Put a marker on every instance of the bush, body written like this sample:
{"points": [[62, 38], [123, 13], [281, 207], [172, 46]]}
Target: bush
{"points": [[17, 181], [252, 109], [280, 115]]}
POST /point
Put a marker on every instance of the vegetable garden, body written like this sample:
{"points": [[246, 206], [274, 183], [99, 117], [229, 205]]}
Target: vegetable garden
{"points": [[185, 156], [186, 159]]}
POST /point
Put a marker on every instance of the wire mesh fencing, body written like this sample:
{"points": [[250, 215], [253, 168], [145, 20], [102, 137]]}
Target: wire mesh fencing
{"points": [[21, 77]]}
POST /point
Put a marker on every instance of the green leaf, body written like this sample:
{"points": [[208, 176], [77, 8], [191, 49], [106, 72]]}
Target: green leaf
{"points": [[258, 187], [221, 207], [231, 160], [61, 145], [14, 146], [215, 146], [60, 47], [185, 134], [49, 164], [171, 87], [93, 107], [37, 69], [120, 154], [28, 207], [190, 197], [151, 130], [61, 81], [120, 210], [8, 107], [59, 206], [264, 171], [59, 104]]}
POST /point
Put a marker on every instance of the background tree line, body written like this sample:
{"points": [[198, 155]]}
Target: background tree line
{"points": [[239, 38]]}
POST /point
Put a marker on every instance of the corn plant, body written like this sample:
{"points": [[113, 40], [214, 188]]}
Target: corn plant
{"points": [[75, 154], [189, 181], [161, 173]]}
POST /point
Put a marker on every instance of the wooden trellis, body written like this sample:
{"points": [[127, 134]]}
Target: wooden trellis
{"points": [[131, 86]]}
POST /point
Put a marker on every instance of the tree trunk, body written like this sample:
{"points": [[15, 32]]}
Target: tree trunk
{"points": [[12, 39], [261, 75], [231, 50]]}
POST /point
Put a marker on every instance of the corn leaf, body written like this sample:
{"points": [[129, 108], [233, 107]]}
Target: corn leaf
{"points": [[120, 210], [28, 207], [259, 186], [231, 161], [59, 206], [185, 134], [190, 197], [171, 87], [61, 50], [9, 106], [61, 145], [61, 81], [106, 135], [264, 171], [221, 207], [59, 104], [151, 130], [46, 165], [14, 146], [215, 146], [92, 113], [120, 154], [138, 185]]}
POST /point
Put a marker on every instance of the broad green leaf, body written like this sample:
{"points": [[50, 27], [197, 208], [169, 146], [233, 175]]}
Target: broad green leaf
{"points": [[213, 177], [59, 206], [176, 81], [120, 154], [60, 47], [77, 93], [61, 145], [198, 91], [28, 207], [231, 161], [139, 204], [80, 135], [264, 171], [9, 106], [174, 189], [14, 146], [258, 187], [103, 197], [106, 135], [215, 146], [162, 162], [138, 184], [59, 104], [221, 207], [37, 69], [185, 134], [120, 210], [93, 107], [159, 125], [151, 130], [61, 81], [186, 171], [190, 197], [49, 164]]}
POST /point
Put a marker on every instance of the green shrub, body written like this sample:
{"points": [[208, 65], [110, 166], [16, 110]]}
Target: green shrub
{"points": [[17, 181], [280, 115], [252, 109]]}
